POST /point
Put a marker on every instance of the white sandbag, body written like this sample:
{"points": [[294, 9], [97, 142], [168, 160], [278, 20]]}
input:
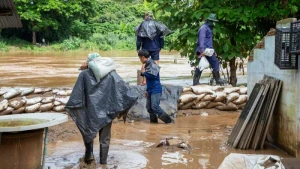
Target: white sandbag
{"points": [[33, 108], [19, 111], [101, 66], [2, 92], [241, 106], [209, 97], [220, 96], [64, 92], [47, 100], [46, 107], [231, 90], [217, 88], [11, 94], [38, 91], [3, 105], [227, 107], [198, 98], [242, 99], [243, 90], [48, 90], [7, 111], [203, 64], [27, 92], [187, 89], [63, 100], [186, 98], [59, 108], [32, 101], [186, 106], [179, 105], [57, 103], [55, 91], [232, 96], [214, 104], [16, 104], [202, 90], [201, 104]]}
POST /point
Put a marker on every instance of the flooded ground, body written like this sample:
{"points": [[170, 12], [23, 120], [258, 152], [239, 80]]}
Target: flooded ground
{"points": [[133, 145], [61, 69]]}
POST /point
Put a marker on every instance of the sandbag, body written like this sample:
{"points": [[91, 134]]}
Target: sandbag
{"points": [[214, 104], [241, 106], [64, 92], [59, 108], [19, 111], [2, 92], [38, 91], [46, 107], [55, 91], [7, 111], [33, 108], [217, 88], [187, 106], [10, 94], [186, 98], [220, 96], [242, 99], [209, 97], [101, 66], [3, 105], [32, 101], [179, 105], [198, 98], [232, 96], [201, 104], [227, 107], [48, 90], [231, 90], [243, 90], [63, 100], [202, 90], [47, 100], [27, 92], [187, 89], [57, 103], [16, 104]]}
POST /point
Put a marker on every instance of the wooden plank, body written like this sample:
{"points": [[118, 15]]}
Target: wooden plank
{"points": [[271, 114], [248, 117]]}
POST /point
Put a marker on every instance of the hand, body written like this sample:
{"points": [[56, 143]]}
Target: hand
{"points": [[202, 54], [83, 66], [216, 54], [137, 51], [146, 94]]}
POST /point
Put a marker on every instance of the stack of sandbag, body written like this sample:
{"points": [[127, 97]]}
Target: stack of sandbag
{"points": [[31, 100], [207, 97]]}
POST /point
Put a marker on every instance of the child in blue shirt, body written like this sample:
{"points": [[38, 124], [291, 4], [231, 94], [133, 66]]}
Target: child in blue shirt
{"points": [[154, 88]]}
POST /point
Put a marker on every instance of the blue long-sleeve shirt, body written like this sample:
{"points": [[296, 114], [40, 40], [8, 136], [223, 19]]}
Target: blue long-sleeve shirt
{"points": [[150, 45], [205, 38], [153, 83]]}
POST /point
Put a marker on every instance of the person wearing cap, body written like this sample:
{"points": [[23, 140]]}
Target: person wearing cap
{"points": [[205, 40]]}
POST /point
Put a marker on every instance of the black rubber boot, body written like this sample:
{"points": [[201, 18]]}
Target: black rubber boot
{"points": [[153, 118], [166, 118], [103, 154], [216, 76], [89, 156], [197, 76]]}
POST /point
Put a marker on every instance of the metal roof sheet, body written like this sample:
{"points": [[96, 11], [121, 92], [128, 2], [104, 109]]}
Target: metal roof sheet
{"points": [[12, 21]]}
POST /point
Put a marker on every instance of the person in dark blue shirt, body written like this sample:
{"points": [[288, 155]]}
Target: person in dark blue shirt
{"points": [[152, 45], [154, 88]]}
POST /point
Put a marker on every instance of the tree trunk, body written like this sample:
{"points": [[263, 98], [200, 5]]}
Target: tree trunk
{"points": [[233, 78], [33, 37]]}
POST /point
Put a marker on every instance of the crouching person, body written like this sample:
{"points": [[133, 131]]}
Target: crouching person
{"points": [[154, 88], [99, 96]]}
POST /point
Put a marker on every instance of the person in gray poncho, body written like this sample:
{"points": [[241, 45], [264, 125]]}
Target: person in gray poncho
{"points": [[94, 104]]}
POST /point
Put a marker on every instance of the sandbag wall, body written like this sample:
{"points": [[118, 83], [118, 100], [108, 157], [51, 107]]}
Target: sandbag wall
{"points": [[208, 97], [31, 100]]}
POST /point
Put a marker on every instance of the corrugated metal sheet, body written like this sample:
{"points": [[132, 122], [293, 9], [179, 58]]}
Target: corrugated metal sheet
{"points": [[9, 21]]}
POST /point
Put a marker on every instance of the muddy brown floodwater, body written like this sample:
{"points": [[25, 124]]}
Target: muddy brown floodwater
{"points": [[133, 145]]}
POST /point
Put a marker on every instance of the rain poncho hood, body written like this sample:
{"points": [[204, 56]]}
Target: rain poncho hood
{"points": [[150, 29], [151, 67], [93, 105]]}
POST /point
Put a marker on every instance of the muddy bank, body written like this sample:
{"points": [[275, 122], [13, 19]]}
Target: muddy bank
{"points": [[133, 145]]}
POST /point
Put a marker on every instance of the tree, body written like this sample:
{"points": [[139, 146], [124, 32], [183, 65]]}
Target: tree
{"points": [[242, 24], [54, 18]]}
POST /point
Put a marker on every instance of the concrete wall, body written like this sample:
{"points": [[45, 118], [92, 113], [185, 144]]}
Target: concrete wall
{"points": [[286, 119]]}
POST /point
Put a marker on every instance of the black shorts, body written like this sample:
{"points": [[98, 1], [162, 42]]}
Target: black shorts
{"points": [[154, 55]]}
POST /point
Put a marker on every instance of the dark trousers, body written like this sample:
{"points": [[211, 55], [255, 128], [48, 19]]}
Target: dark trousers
{"points": [[104, 135], [152, 105]]}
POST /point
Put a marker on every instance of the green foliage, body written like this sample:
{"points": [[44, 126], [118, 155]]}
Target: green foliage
{"points": [[3, 46]]}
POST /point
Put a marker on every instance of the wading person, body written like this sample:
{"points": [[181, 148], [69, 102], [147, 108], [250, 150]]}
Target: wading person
{"points": [[154, 88], [150, 36], [205, 41], [97, 98]]}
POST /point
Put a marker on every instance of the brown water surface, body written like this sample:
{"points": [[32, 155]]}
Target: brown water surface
{"points": [[21, 122]]}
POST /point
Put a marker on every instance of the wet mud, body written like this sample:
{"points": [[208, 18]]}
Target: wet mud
{"points": [[134, 145]]}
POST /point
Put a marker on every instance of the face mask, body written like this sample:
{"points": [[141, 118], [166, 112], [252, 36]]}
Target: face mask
{"points": [[211, 24]]}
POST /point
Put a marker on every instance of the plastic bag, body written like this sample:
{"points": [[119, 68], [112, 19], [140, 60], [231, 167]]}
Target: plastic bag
{"points": [[101, 66], [209, 52], [203, 64]]}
